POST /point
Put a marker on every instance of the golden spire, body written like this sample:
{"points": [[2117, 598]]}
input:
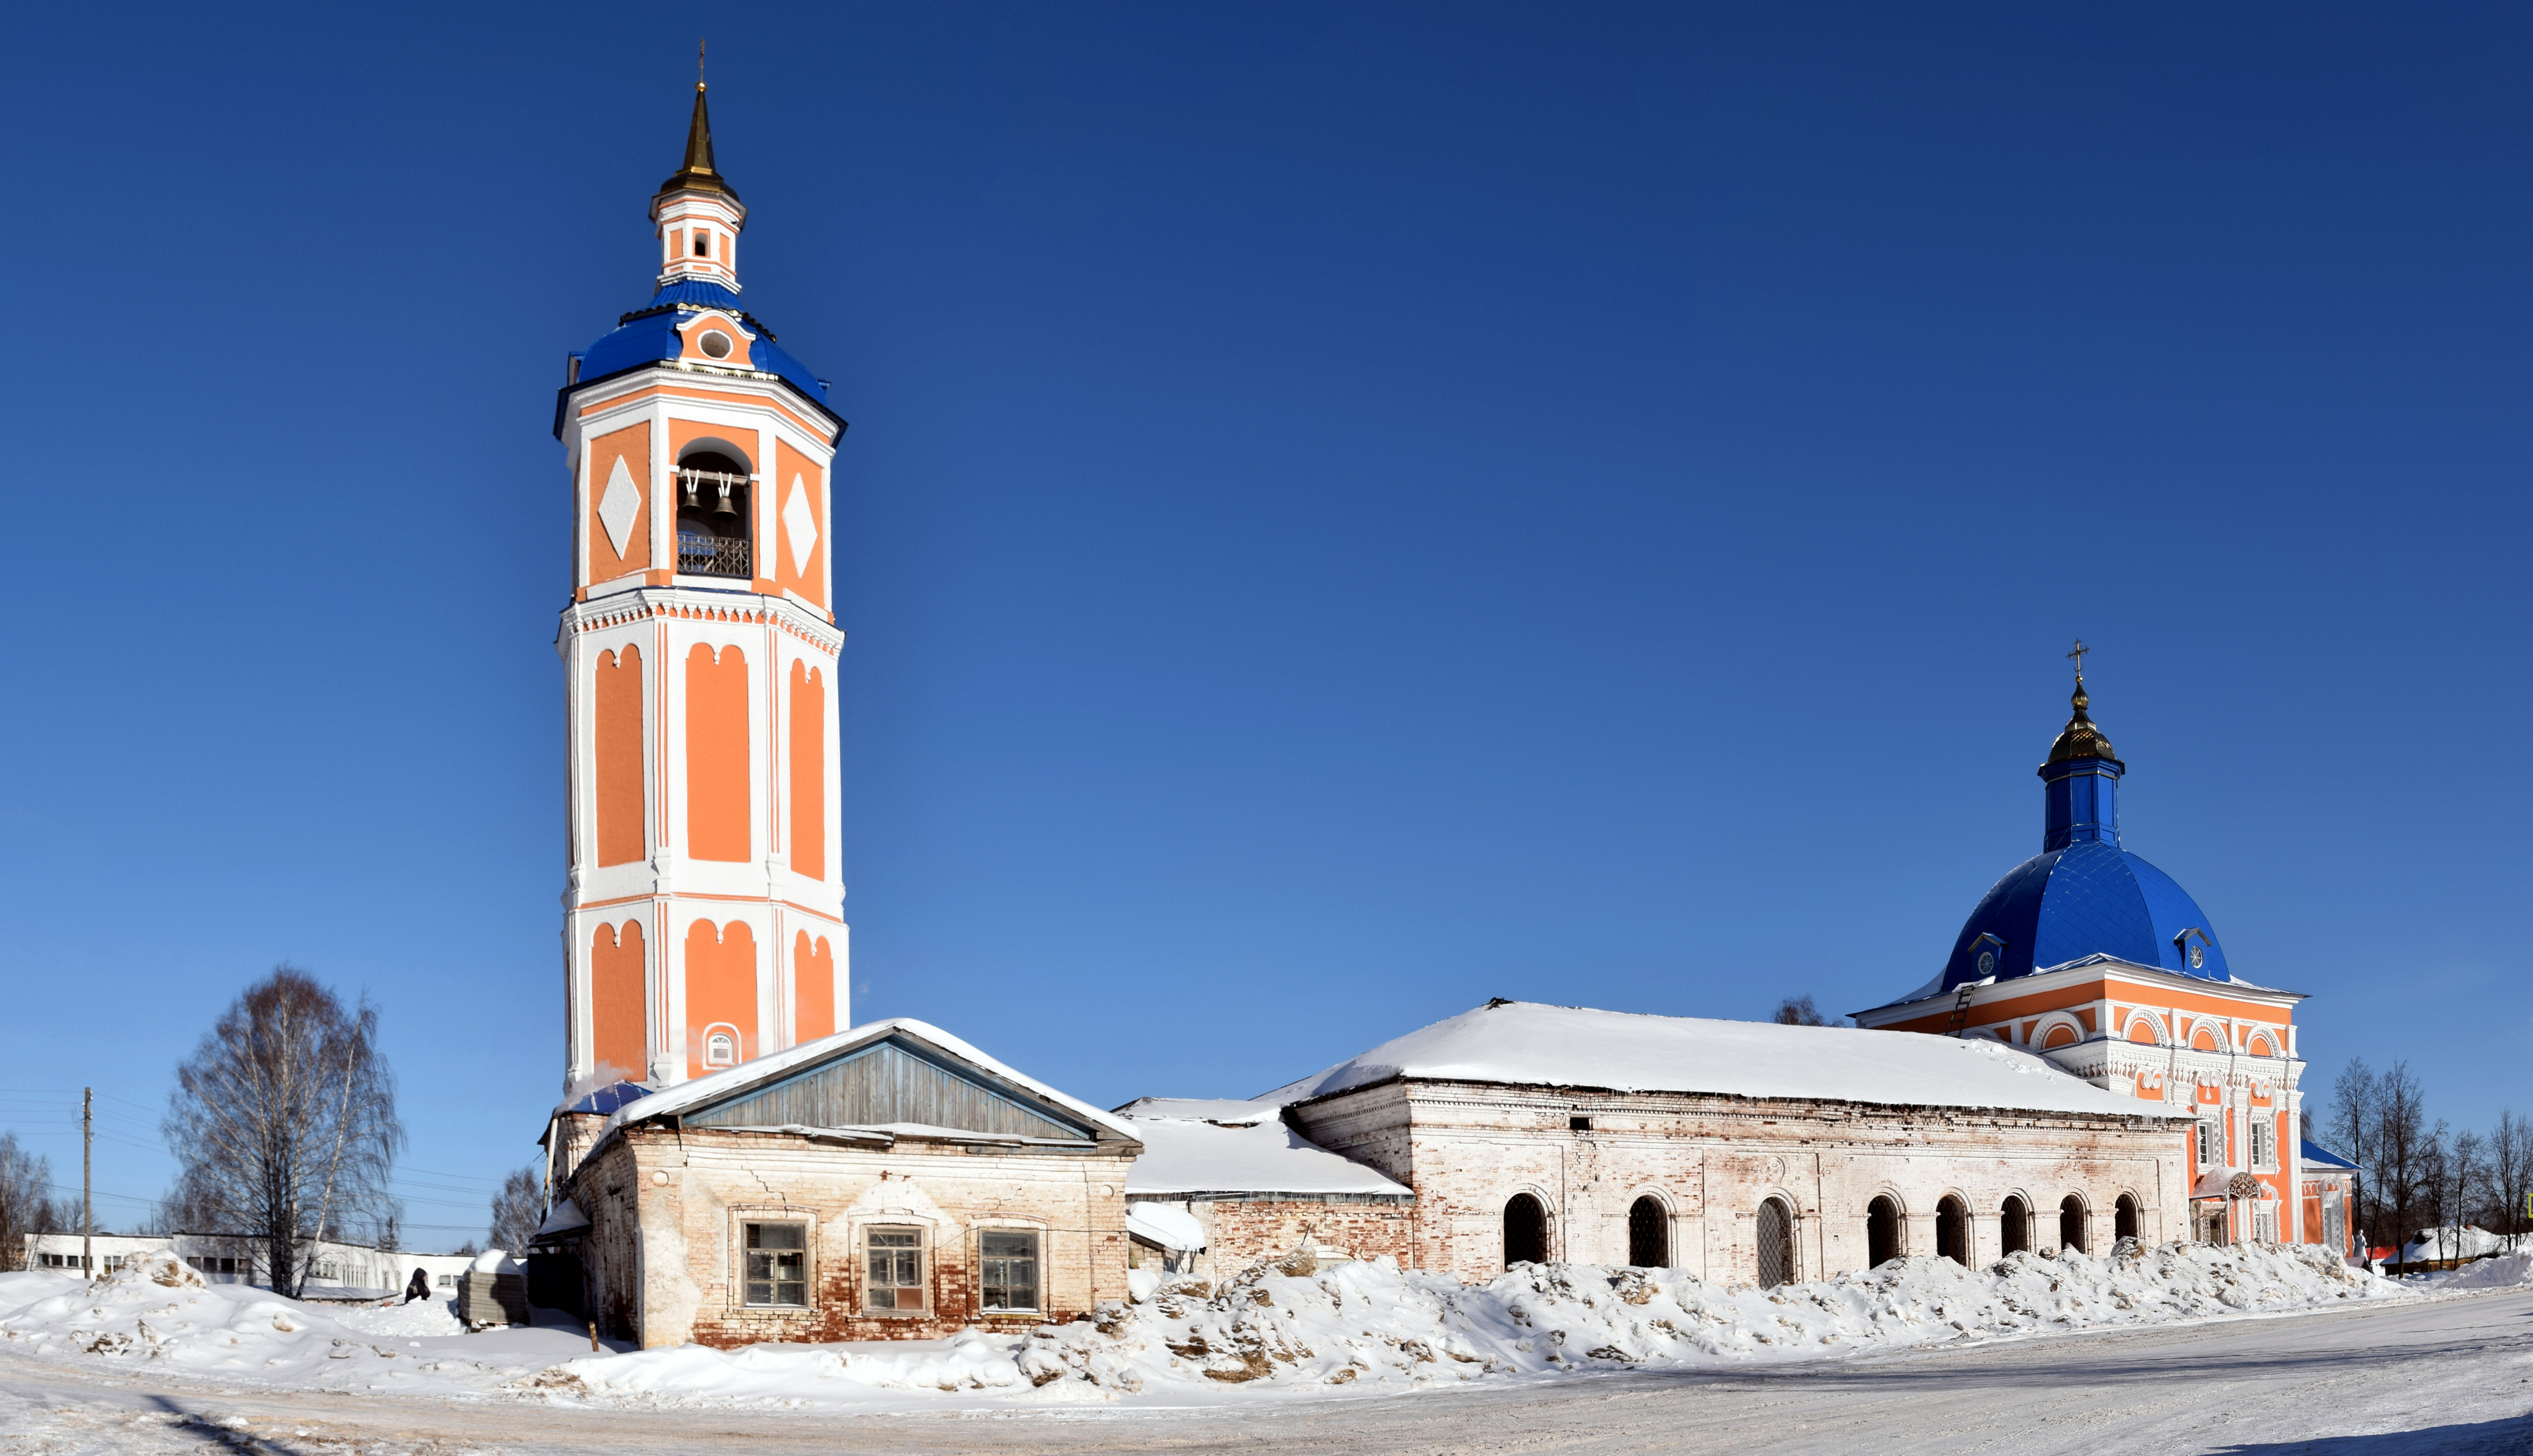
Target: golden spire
{"points": [[698, 174]]}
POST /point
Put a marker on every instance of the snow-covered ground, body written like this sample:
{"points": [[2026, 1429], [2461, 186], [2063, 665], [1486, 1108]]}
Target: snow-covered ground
{"points": [[1301, 1327], [158, 1310], [1281, 1329], [2430, 1372]]}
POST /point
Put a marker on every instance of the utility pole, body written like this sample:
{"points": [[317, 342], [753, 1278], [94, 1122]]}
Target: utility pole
{"points": [[88, 1199]]}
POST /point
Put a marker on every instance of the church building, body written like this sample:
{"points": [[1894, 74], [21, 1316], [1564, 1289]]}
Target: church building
{"points": [[734, 1161], [2094, 960]]}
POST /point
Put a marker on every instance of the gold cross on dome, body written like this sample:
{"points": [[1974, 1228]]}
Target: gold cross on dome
{"points": [[2079, 656], [699, 65]]}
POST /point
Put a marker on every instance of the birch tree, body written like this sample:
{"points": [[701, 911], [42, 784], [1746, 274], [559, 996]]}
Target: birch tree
{"points": [[518, 1208], [27, 1203], [284, 1123]]}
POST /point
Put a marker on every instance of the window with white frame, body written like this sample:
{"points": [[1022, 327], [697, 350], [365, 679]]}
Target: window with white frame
{"points": [[2265, 1224], [721, 1049], [778, 1265], [892, 1270], [2264, 1136], [2212, 1143], [1007, 1264]]}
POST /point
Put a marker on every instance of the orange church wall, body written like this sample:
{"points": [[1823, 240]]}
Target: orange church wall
{"points": [[619, 769], [809, 772], [720, 988], [717, 819], [616, 1001], [810, 582], [814, 981], [631, 444]]}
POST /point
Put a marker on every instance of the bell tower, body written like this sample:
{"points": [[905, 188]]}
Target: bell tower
{"points": [[703, 916]]}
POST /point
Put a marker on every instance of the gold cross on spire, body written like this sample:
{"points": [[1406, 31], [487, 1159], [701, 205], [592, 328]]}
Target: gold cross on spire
{"points": [[699, 65], [2079, 657]]}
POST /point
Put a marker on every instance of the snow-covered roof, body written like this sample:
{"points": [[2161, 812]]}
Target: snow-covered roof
{"points": [[1171, 1228], [1565, 1046], [1231, 1112], [565, 1218], [1184, 1157], [2320, 1156], [729, 1082]]}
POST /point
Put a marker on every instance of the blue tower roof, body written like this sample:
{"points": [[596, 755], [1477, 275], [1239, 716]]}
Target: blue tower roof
{"points": [[2084, 894], [649, 335]]}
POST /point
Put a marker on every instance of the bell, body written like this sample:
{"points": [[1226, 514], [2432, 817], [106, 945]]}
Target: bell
{"points": [[691, 483], [722, 507]]}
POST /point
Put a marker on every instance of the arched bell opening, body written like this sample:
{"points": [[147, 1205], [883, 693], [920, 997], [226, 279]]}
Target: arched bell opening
{"points": [[2071, 1223], [1776, 1240], [1525, 1230], [2014, 1224], [2124, 1217], [715, 529], [1881, 1232], [1648, 1234], [1953, 1230]]}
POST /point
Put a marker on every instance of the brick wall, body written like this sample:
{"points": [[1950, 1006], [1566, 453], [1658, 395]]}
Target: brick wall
{"points": [[666, 1208]]}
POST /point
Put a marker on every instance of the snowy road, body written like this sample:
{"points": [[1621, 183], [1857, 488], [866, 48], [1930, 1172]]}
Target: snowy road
{"points": [[2448, 1374]]}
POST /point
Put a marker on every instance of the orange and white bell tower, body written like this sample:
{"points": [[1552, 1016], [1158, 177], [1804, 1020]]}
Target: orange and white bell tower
{"points": [[703, 924]]}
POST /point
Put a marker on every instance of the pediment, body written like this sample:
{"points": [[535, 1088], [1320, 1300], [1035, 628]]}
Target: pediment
{"points": [[896, 1080]]}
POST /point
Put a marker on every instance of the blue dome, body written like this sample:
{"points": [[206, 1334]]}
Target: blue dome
{"points": [[2088, 899], [649, 335], [2083, 895]]}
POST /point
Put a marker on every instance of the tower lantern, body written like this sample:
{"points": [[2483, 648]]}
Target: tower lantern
{"points": [[703, 915]]}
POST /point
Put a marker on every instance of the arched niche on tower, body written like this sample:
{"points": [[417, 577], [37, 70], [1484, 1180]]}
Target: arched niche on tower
{"points": [[714, 486]]}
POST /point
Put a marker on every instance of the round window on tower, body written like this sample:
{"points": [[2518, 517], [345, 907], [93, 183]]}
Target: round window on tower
{"points": [[716, 344], [1986, 964]]}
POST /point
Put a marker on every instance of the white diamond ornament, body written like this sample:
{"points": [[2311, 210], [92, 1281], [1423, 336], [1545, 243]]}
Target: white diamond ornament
{"points": [[615, 508], [801, 526]]}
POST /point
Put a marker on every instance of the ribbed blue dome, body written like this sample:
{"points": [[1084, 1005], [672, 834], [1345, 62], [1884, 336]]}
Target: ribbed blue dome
{"points": [[2088, 899], [2083, 895], [649, 335]]}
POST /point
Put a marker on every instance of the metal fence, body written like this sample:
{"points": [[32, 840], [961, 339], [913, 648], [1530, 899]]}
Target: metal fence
{"points": [[699, 555]]}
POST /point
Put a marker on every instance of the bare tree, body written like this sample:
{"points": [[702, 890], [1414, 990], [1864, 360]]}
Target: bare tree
{"points": [[283, 1122], [2403, 1148], [1798, 1011], [26, 1204], [2354, 1120], [2511, 1171], [518, 1208], [2467, 1174]]}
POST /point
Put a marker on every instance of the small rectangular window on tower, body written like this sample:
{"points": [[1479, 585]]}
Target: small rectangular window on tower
{"points": [[703, 245]]}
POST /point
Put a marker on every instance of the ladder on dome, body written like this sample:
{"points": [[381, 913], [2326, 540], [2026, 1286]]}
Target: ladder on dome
{"points": [[1962, 1005]]}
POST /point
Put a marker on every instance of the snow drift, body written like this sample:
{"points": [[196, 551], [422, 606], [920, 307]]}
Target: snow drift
{"points": [[156, 1308], [1295, 1325]]}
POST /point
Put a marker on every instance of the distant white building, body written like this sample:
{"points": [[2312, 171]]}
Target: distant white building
{"points": [[341, 1271]]}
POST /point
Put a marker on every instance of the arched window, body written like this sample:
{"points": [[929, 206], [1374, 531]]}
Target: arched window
{"points": [[721, 1049], [714, 533], [2124, 1218], [1525, 1232], [2071, 1224], [1881, 1232], [1953, 1230], [1648, 1234], [1776, 1237], [2058, 1036], [2013, 1222]]}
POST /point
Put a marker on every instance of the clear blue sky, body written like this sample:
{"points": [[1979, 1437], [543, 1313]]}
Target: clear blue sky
{"points": [[1349, 510]]}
